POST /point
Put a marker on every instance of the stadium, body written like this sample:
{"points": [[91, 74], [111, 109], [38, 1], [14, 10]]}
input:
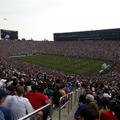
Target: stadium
{"points": [[54, 76]]}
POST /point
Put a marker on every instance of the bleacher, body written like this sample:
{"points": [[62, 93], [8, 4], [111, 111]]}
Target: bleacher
{"points": [[20, 73]]}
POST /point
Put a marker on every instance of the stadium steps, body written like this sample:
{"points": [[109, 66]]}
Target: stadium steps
{"points": [[64, 113]]}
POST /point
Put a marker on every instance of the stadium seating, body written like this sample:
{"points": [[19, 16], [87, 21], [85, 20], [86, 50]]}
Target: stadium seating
{"points": [[15, 73]]}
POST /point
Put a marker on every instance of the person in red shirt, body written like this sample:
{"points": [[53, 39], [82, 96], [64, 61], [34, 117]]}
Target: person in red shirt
{"points": [[37, 100], [109, 115]]}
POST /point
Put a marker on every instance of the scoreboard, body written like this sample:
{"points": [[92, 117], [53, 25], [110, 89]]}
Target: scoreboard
{"points": [[8, 34]]}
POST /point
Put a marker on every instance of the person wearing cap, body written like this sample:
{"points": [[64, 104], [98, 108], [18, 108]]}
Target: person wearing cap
{"points": [[5, 113]]}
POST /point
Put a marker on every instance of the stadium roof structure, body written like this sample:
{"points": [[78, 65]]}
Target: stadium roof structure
{"points": [[104, 34]]}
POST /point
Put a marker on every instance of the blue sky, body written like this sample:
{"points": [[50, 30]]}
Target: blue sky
{"points": [[39, 19]]}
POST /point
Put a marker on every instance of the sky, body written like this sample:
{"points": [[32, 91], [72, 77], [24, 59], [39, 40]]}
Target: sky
{"points": [[39, 19]]}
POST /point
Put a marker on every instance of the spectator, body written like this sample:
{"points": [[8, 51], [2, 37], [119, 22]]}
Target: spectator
{"points": [[88, 114], [5, 113], [56, 97], [117, 111], [37, 100], [81, 106], [19, 105], [103, 105], [49, 91]]}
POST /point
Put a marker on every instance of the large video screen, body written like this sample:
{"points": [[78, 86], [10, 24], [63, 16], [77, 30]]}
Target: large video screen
{"points": [[8, 34]]}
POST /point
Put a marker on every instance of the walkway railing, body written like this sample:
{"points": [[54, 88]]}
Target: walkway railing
{"points": [[34, 112], [69, 101], [64, 101]]}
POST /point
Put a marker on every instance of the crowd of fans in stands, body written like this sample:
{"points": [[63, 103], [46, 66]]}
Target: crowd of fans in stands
{"points": [[25, 87], [86, 49], [30, 91], [99, 100]]}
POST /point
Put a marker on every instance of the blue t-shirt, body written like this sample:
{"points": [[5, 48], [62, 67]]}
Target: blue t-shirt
{"points": [[7, 113], [81, 106]]}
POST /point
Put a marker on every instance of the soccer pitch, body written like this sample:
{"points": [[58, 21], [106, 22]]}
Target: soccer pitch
{"points": [[67, 64]]}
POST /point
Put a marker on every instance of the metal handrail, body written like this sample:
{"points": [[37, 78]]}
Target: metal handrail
{"points": [[69, 100], [34, 112], [61, 107], [77, 93]]}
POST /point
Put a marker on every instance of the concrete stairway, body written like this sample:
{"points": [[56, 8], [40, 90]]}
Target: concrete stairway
{"points": [[64, 113]]}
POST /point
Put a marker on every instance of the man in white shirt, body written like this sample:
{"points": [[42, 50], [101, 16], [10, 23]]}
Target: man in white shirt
{"points": [[19, 105]]}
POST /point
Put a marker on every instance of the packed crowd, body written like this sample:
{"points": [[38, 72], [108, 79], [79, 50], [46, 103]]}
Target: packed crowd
{"points": [[99, 100], [25, 87], [87, 49], [22, 93]]}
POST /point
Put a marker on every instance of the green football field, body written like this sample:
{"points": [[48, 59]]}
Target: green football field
{"points": [[67, 64]]}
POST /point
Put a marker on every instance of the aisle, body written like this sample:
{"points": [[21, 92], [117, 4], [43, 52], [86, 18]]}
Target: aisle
{"points": [[64, 114]]}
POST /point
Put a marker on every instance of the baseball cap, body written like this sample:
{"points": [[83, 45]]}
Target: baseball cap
{"points": [[4, 92]]}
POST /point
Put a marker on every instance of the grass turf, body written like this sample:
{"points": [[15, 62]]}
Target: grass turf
{"points": [[67, 64]]}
